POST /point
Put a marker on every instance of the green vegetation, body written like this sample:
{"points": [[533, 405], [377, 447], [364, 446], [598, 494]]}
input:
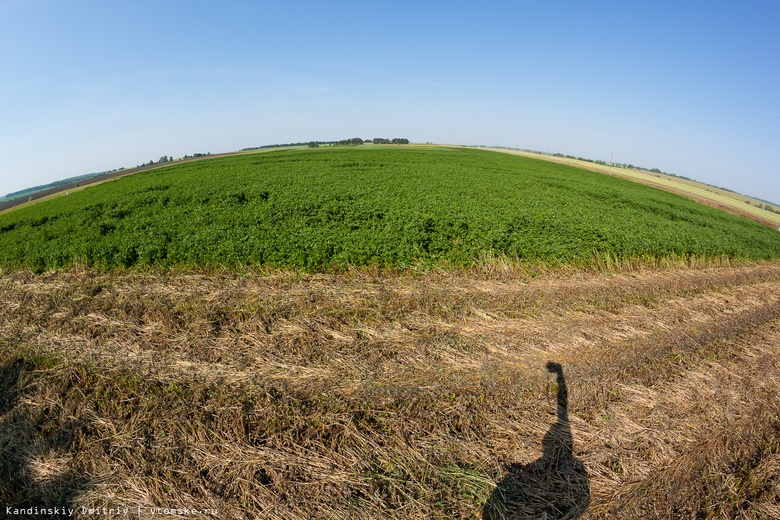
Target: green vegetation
{"points": [[337, 206]]}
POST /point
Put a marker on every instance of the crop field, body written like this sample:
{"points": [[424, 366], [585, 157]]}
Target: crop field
{"points": [[717, 197], [337, 207], [387, 332]]}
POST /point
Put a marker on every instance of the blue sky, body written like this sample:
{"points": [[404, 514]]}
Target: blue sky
{"points": [[692, 88]]}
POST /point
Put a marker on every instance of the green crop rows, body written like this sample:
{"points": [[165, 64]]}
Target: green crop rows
{"points": [[332, 207]]}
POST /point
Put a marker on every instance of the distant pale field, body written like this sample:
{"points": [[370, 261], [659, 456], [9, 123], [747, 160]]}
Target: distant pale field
{"points": [[696, 189]]}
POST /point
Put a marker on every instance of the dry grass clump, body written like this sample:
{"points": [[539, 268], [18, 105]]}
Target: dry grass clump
{"points": [[383, 394]]}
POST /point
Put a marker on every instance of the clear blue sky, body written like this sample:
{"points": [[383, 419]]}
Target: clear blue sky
{"points": [[690, 87]]}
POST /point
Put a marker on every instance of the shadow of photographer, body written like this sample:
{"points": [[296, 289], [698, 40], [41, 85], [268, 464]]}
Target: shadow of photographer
{"points": [[553, 487]]}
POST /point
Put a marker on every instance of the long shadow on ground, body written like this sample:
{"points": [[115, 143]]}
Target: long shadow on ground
{"points": [[555, 486]]}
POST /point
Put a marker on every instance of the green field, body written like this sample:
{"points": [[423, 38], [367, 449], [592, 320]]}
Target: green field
{"points": [[389, 206], [724, 199]]}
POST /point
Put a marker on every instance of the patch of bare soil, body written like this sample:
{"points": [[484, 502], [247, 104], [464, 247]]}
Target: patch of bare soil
{"points": [[629, 393]]}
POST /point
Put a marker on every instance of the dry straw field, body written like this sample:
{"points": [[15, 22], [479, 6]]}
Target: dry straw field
{"points": [[640, 390]]}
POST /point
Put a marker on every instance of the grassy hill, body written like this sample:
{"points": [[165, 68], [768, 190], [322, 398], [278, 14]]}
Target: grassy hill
{"points": [[388, 206]]}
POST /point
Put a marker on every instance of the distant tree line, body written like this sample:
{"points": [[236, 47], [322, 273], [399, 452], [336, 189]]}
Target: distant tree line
{"points": [[355, 141], [377, 140], [395, 140], [766, 207], [165, 159], [286, 145]]}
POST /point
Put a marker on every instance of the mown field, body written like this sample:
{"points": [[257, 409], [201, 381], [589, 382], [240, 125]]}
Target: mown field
{"points": [[332, 208], [411, 395]]}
